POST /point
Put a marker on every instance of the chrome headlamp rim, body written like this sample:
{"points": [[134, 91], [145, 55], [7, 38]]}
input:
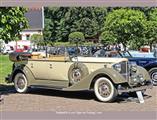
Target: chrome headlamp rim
{"points": [[133, 80], [117, 67], [133, 67], [141, 78]]}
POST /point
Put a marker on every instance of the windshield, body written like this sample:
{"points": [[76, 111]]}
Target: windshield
{"points": [[88, 51], [71, 51], [125, 54]]}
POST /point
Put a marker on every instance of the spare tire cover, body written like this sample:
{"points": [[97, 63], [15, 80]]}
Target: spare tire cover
{"points": [[77, 71]]}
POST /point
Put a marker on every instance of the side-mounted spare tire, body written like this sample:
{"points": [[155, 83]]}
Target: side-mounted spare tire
{"points": [[77, 72]]}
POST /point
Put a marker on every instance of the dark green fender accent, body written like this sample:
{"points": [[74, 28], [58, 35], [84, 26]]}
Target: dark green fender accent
{"points": [[85, 83]]}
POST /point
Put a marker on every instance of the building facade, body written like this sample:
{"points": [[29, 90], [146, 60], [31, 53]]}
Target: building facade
{"points": [[35, 18]]}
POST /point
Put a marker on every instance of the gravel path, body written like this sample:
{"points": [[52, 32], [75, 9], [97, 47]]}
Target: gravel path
{"points": [[84, 101]]}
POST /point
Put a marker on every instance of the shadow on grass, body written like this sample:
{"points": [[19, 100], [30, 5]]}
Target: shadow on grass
{"points": [[83, 95]]}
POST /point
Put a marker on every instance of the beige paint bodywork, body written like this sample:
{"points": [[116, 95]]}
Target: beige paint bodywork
{"points": [[53, 71], [58, 70]]}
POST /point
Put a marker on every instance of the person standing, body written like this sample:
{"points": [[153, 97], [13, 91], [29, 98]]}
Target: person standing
{"points": [[155, 50]]}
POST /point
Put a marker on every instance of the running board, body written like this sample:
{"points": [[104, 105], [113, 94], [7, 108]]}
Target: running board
{"points": [[47, 87]]}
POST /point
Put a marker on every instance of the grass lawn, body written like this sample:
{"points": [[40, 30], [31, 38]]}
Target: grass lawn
{"points": [[5, 67]]}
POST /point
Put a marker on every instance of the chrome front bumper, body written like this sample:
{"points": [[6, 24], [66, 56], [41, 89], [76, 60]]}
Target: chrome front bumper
{"points": [[148, 85]]}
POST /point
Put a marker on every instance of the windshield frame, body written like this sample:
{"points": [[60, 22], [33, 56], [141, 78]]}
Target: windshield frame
{"points": [[129, 54]]}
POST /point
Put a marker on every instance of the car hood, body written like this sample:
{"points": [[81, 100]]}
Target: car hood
{"points": [[99, 59]]}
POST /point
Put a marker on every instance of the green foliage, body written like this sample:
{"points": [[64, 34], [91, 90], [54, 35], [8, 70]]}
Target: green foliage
{"points": [[76, 37], [153, 14], [151, 32], [54, 18], [61, 21], [12, 22], [5, 68], [107, 37], [36, 39], [72, 44], [47, 30], [126, 25]]}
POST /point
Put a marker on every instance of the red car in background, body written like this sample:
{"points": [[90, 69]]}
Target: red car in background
{"points": [[19, 50]]}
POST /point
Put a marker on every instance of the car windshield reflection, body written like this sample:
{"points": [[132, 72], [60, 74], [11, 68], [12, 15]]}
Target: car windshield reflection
{"points": [[125, 54]]}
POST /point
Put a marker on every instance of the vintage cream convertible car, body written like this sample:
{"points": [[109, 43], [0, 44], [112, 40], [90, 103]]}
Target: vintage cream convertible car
{"points": [[108, 77]]}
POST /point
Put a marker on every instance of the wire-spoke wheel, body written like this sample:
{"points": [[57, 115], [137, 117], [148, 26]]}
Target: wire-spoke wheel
{"points": [[153, 75], [104, 90], [20, 83]]}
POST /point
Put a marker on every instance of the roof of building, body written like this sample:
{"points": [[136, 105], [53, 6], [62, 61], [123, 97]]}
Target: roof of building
{"points": [[35, 18]]}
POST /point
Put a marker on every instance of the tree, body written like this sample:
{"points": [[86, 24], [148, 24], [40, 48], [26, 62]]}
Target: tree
{"points": [[12, 22], [76, 37], [64, 20], [126, 25], [36, 39], [151, 32], [54, 17], [107, 37], [88, 20], [47, 30], [88, 27]]}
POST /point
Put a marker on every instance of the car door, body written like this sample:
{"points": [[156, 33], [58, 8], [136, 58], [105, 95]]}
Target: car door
{"points": [[50, 73]]}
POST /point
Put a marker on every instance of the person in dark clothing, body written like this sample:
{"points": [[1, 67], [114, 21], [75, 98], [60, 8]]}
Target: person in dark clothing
{"points": [[155, 50]]}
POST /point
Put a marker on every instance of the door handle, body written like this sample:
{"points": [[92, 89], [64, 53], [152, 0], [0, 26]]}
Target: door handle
{"points": [[50, 66], [31, 65]]}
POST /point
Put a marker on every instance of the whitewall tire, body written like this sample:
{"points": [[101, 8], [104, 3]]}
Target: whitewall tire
{"points": [[104, 90], [20, 83], [153, 75]]}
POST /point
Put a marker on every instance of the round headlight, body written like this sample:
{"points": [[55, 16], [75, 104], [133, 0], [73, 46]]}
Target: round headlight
{"points": [[141, 78], [134, 80], [134, 67], [117, 67]]}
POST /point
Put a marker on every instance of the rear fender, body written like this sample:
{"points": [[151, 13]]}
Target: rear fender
{"points": [[26, 71]]}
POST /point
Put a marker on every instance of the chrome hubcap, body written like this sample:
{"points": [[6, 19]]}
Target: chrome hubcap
{"points": [[76, 74], [21, 83], [104, 89], [154, 76]]}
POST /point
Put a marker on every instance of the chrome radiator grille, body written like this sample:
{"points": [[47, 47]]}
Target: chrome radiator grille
{"points": [[125, 70], [124, 67]]}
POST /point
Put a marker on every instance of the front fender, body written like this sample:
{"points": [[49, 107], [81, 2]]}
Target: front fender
{"points": [[144, 72], [150, 65], [85, 83]]}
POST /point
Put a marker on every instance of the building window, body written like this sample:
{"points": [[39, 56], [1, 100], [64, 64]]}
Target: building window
{"points": [[20, 37], [27, 37]]}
